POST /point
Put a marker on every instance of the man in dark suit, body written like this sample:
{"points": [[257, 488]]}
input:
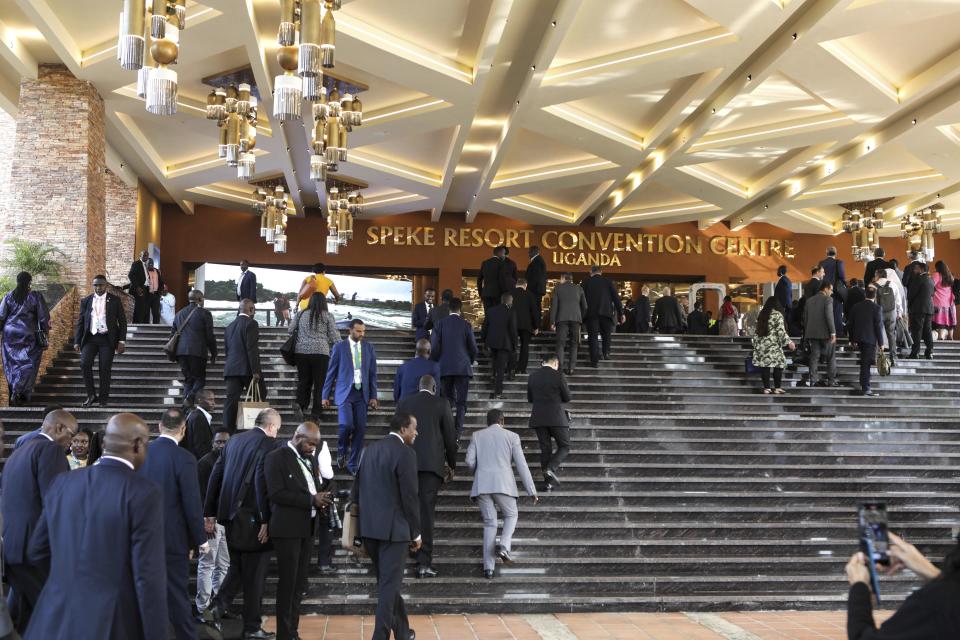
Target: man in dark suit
{"points": [[199, 437], [547, 390], [833, 272], [643, 310], [436, 447], [821, 335], [352, 380], [440, 311], [237, 493], [810, 288], [293, 489], [536, 277], [455, 348], [241, 364], [488, 282], [407, 380], [421, 313], [667, 313], [138, 288], [30, 435], [246, 283], [697, 321], [102, 534], [27, 477], [879, 262], [603, 311], [155, 286], [213, 565], [866, 330], [526, 311], [508, 272], [568, 305], [916, 258], [101, 331], [783, 291], [196, 340], [855, 295], [499, 334], [920, 309], [386, 492], [175, 472]]}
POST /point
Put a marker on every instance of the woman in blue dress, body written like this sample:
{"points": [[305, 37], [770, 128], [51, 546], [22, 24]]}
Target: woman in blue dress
{"points": [[23, 314]]}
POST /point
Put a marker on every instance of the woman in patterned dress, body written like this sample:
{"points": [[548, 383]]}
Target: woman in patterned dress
{"points": [[768, 344]]}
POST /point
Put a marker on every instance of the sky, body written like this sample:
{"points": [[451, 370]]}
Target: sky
{"points": [[284, 280]]}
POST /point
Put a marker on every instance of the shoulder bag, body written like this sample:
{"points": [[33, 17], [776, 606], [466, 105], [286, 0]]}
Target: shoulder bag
{"points": [[170, 348], [883, 363], [42, 340], [288, 350], [243, 533]]}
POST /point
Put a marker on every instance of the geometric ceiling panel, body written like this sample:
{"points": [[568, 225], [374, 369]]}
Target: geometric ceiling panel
{"points": [[568, 199], [890, 160], [634, 112], [531, 151], [382, 93], [425, 152], [656, 195], [773, 101]]}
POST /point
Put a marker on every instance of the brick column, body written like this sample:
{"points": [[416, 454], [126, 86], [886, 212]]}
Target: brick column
{"points": [[121, 222], [8, 131], [57, 190]]}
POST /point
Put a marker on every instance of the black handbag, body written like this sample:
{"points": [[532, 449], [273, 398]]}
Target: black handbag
{"points": [[288, 350], [170, 348], [42, 340]]}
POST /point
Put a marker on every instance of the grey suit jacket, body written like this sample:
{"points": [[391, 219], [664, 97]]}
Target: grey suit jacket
{"points": [[569, 304], [818, 321], [491, 456]]}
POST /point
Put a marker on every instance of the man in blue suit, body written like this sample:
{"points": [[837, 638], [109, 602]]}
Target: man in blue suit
{"points": [[455, 348], [30, 435], [246, 283], [421, 313], [174, 469], [237, 492], [353, 370], [866, 330], [783, 292], [407, 380], [27, 478], [102, 533]]}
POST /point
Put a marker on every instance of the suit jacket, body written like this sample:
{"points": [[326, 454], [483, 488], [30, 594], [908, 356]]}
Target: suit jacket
{"points": [[406, 382], [547, 390], [137, 277], [492, 454], [199, 437], [536, 276], [602, 298], [27, 478], [436, 441], [697, 323], [871, 269], [340, 371], [205, 470], [387, 491], [454, 346], [488, 282], [291, 503], [569, 304], [811, 287], [865, 323], [25, 438], [419, 320], [920, 294], [833, 271], [818, 322], [500, 328], [197, 338], [667, 314], [855, 295], [175, 472], [784, 292], [103, 533], [248, 286], [226, 491], [116, 321], [929, 612], [643, 314], [525, 311], [438, 313], [908, 271], [241, 346], [508, 275]]}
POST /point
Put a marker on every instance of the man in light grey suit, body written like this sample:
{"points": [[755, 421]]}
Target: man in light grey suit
{"points": [[568, 305], [492, 454], [820, 333]]}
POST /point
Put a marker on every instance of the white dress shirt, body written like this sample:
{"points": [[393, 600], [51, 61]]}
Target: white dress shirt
{"points": [[126, 462], [307, 474]]}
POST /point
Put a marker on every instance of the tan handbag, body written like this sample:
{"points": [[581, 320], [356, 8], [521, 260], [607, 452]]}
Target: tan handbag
{"points": [[250, 407], [350, 538]]}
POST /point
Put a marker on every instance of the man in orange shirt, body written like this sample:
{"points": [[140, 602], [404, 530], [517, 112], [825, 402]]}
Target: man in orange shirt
{"points": [[317, 283]]}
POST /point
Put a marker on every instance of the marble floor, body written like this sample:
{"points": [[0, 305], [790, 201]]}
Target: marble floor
{"points": [[776, 625]]}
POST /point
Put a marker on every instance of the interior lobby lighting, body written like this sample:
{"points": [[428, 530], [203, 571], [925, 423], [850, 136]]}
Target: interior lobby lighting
{"points": [[408, 196], [156, 81], [549, 172], [662, 212], [765, 132], [840, 52], [395, 169], [225, 194], [527, 205], [593, 123], [397, 112], [878, 183], [808, 218], [717, 180]]}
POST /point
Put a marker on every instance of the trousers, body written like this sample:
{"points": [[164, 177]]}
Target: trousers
{"points": [[777, 377], [247, 572], [97, 346], [550, 459], [455, 389], [826, 349], [293, 565], [868, 352], [212, 568], [178, 600], [352, 428], [501, 360], [921, 328], [194, 370], [599, 330], [236, 387], [141, 306], [430, 484], [27, 583], [568, 332], [311, 372], [388, 559], [524, 357], [488, 503]]}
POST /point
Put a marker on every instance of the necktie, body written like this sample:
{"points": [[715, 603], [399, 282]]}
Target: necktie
{"points": [[356, 365]]}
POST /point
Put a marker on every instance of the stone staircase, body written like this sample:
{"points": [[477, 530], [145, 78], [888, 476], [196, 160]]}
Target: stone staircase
{"points": [[686, 489]]}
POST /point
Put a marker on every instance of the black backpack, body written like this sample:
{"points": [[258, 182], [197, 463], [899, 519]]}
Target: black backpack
{"points": [[887, 298]]}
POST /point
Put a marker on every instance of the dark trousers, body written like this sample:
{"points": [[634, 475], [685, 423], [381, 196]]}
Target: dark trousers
{"points": [[826, 349], [568, 332], [293, 566], [388, 559], [248, 571], [141, 307], [325, 541], [27, 583], [311, 372], [490, 301], [524, 358], [236, 387], [868, 352], [178, 600], [455, 389], [602, 327], [500, 359], [921, 328], [838, 315], [538, 306], [550, 459], [352, 428], [777, 377], [97, 345], [194, 370], [153, 301], [430, 484]]}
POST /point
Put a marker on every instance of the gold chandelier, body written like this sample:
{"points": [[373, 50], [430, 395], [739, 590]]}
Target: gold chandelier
{"points": [[236, 112], [864, 227], [344, 203], [274, 206], [156, 81], [918, 228]]}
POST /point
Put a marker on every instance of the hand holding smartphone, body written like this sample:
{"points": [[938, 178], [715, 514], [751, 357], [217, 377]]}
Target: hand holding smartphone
{"points": [[874, 540]]}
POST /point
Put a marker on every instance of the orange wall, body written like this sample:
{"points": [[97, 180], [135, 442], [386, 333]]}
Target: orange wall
{"points": [[218, 235]]}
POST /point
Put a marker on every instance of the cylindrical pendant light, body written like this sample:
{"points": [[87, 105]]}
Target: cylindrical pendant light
{"points": [[311, 54], [131, 46], [328, 35], [287, 36]]}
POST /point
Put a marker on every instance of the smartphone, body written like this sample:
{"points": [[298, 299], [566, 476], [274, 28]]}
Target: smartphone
{"points": [[874, 541]]}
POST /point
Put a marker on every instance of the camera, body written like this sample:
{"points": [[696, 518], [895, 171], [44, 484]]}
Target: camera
{"points": [[334, 522]]}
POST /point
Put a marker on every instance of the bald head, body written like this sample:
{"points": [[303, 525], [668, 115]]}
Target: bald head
{"points": [[61, 426], [127, 437], [423, 348], [428, 383], [306, 439]]}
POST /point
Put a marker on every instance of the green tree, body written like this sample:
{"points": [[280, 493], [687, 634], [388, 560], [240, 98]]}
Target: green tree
{"points": [[40, 259]]}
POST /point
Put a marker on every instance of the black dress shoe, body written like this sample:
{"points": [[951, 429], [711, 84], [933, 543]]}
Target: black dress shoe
{"points": [[413, 635], [327, 570], [89, 401], [928, 356], [488, 575], [259, 634], [504, 555], [426, 572], [104, 402], [551, 477]]}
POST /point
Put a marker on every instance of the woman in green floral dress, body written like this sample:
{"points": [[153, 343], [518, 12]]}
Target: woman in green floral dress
{"points": [[768, 344]]}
